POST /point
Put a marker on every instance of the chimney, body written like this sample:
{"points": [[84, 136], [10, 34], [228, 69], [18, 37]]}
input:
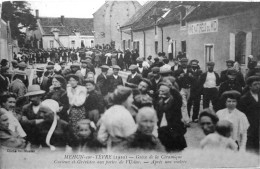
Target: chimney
{"points": [[37, 13], [62, 19]]}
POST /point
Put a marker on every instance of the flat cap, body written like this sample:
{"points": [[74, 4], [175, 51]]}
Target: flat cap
{"points": [[75, 65], [139, 60], [232, 71], [194, 60], [50, 63], [230, 61], [84, 61], [22, 65], [74, 76], [62, 62], [184, 60], [50, 67], [155, 69], [116, 67], [133, 67], [40, 69], [14, 61], [156, 59], [210, 64], [104, 67], [251, 79], [166, 72]]}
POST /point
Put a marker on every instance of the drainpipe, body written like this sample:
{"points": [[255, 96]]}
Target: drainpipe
{"points": [[162, 38], [144, 44]]}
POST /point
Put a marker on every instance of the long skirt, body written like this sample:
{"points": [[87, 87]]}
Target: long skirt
{"points": [[76, 114]]}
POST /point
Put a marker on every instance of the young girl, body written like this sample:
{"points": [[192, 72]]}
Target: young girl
{"points": [[86, 137]]}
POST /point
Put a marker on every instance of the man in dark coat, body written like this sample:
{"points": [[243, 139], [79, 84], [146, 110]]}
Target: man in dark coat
{"points": [[209, 82], [239, 76], [114, 79], [41, 80], [171, 129], [90, 66], [250, 105], [141, 70], [134, 78], [195, 90], [4, 80], [102, 80], [127, 58]]}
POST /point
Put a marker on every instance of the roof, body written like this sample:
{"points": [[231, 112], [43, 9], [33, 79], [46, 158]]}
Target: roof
{"points": [[83, 25], [138, 15], [146, 22], [213, 9]]}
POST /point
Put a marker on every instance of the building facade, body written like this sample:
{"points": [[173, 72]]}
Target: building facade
{"points": [[108, 19], [206, 31], [62, 32]]}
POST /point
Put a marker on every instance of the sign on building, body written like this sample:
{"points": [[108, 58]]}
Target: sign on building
{"points": [[203, 27]]}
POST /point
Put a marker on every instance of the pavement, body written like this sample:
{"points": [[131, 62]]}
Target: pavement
{"points": [[193, 135]]}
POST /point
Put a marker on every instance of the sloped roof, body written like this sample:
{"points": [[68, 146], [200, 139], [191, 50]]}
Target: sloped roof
{"points": [[83, 25], [172, 18], [213, 9], [138, 15], [146, 22]]}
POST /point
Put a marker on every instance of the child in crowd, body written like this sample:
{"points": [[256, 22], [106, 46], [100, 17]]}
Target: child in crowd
{"points": [[221, 137]]}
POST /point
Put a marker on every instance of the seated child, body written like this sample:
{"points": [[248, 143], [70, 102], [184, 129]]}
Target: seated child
{"points": [[86, 137], [220, 138], [7, 137]]}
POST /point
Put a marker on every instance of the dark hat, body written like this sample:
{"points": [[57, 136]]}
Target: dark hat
{"points": [[184, 60], [139, 60], [131, 85], [4, 68], [88, 57], [251, 79], [231, 93], [143, 100], [156, 59], [147, 81], [50, 67], [116, 67], [209, 113], [210, 64], [60, 78], [104, 67], [40, 69], [194, 60], [84, 61], [74, 76], [230, 61], [232, 71], [22, 65], [14, 62], [133, 67], [75, 65], [62, 62], [155, 69], [50, 63], [167, 84]]}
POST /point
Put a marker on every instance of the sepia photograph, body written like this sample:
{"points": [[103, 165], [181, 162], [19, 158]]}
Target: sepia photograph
{"points": [[129, 84]]}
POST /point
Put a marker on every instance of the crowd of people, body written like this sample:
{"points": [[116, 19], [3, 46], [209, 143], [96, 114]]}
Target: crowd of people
{"points": [[67, 107]]}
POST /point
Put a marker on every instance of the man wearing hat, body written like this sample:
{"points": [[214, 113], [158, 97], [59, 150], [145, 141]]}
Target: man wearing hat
{"points": [[41, 80], [250, 105], [30, 116], [209, 82], [141, 69], [4, 80], [102, 80], [231, 83], [239, 76], [114, 80], [21, 67], [134, 77], [157, 78], [195, 90], [90, 66], [127, 58], [17, 86], [184, 79], [170, 118], [84, 70]]}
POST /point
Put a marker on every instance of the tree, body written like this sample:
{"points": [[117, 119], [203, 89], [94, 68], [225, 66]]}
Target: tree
{"points": [[18, 13]]}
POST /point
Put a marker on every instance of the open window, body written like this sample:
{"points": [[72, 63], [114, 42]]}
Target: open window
{"points": [[240, 47]]}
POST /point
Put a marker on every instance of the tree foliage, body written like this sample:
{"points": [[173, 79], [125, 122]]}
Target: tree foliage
{"points": [[18, 13]]}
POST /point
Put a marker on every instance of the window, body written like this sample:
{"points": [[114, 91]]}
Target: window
{"points": [[73, 43], [82, 44], [51, 44], [129, 44], [156, 47], [209, 53], [124, 45], [240, 47], [182, 15], [136, 45], [183, 47]]}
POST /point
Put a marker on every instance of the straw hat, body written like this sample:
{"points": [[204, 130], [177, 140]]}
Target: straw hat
{"points": [[34, 90]]}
